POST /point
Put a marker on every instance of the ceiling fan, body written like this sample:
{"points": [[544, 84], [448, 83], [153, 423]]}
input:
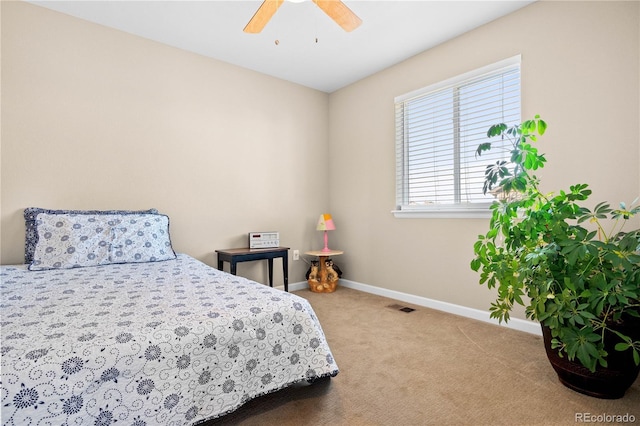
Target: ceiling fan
{"points": [[335, 9]]}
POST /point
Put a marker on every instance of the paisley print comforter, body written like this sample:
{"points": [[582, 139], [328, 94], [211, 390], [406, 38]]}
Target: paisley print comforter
{"points": [[162, 343]]}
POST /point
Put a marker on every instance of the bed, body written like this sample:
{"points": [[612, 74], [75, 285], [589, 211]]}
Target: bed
{"points": [[138, 334]]}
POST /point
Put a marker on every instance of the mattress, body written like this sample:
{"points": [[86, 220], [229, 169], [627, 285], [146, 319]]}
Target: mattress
{"points": [[174, 342]]}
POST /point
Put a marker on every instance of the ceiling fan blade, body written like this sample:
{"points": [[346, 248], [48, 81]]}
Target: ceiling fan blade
{"points": [[340, 13], [262, 16]]}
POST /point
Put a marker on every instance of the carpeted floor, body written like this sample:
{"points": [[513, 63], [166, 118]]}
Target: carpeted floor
{"points": [[426, 367]]}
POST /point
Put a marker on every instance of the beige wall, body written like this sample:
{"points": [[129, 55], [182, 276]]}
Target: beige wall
{"points": [[580, 71], [97, 118]]}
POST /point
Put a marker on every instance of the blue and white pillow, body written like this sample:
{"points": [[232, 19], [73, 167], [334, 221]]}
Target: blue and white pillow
{"points": [[31, 226], [77, 240], [141, 238], [71, 241]]}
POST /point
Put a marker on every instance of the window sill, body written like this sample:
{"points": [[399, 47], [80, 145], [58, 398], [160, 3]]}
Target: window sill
{"points": [[478, 213]]}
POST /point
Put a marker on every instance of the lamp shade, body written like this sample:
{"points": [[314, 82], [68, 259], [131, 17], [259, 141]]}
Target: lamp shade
{"points": [[325, 223]]}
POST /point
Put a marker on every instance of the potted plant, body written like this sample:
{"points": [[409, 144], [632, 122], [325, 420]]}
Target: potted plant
{"points": [[574, 269]]}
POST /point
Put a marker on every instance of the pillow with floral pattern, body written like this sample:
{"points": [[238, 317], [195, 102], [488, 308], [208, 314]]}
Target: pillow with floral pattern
{"points": [[31, 226], [71, 241], [141, 238]]}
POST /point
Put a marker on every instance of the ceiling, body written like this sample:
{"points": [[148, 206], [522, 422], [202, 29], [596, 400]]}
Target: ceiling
{"points": [[300, 44]]}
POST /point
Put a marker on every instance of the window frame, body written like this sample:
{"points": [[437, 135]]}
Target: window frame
{"points": [[456, 210]]}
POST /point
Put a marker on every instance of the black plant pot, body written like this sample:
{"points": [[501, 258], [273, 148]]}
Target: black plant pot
{"points": [[607, 383]]}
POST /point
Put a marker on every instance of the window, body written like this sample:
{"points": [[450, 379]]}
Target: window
{"points": [[438, 129]]}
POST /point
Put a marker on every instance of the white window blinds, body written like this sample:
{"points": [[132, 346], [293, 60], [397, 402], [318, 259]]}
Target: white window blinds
{"points": [[438, 130]]}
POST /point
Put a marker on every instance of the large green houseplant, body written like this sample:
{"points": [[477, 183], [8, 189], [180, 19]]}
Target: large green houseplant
{"points": [[574, 269]]}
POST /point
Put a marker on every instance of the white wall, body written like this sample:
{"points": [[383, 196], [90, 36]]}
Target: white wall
{"points": [[580, 71]]}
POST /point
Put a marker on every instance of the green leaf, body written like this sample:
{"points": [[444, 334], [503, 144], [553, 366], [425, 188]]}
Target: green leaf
{"points": [[622, 346], [483, 147], [542, 127], [496, 130], [475, 264]]}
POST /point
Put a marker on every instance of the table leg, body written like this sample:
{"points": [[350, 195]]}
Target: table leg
{"points": [[270, 272], [232, 267], [285, 271]]}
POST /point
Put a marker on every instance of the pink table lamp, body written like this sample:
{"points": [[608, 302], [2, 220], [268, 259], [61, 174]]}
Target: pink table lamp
{"points": [[325, 223]]}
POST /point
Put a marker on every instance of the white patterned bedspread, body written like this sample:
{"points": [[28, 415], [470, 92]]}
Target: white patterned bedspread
{"points": [[163, 343]]}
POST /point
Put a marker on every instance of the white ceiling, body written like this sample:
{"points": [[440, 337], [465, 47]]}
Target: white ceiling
{"points": [[391, 32]]}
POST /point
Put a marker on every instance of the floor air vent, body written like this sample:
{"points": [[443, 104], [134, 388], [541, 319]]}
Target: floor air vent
{"points": [[397, 307]]}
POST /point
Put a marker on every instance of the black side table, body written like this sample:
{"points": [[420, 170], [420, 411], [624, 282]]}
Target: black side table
{"points": [[235, 255]]}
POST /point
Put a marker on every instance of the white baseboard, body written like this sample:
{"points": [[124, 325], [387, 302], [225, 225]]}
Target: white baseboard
{"points": [[514, 323]]}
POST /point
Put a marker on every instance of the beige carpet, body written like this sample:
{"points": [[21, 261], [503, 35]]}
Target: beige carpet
{"points": [[426, 367]]}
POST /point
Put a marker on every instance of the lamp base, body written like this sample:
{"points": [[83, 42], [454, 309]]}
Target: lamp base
{"points": [[326, 249]]}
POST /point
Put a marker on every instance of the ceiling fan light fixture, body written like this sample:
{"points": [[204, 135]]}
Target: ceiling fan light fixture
{"points": [[335, 9]]}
